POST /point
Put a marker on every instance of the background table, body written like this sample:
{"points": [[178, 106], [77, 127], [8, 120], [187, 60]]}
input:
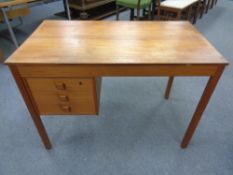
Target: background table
{"points": [[5, 4]]}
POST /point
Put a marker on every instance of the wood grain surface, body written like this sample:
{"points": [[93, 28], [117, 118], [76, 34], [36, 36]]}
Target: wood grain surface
{"points": [[111, 42], [14, 2]]}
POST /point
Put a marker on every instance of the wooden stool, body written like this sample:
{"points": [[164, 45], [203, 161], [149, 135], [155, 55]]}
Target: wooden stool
{"points": [[176, 7]]}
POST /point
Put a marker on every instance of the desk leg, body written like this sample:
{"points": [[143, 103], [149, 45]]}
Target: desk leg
{"points": [[169, 86], [33, 111], [209, 89], [9, 27], [67, 9]]}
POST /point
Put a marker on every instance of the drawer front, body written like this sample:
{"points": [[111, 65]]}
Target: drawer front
{"points": [[69, 85], [60, 108], [63, 95]]}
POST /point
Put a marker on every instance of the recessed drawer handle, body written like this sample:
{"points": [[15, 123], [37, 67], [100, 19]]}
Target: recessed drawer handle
{"points": [[63, 97], [66, 108], [60, 86]]}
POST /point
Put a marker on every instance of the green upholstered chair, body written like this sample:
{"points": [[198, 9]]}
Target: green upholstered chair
{"points": [[133, 4]]}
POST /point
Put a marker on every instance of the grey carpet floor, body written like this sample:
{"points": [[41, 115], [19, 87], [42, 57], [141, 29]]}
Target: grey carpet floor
{"points": [[137, 131]]}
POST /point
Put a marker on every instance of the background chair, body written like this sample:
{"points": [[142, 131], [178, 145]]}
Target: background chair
{"points": [[134, 4]]}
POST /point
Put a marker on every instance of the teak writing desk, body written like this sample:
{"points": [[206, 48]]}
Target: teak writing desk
{"points": [[59, 68]]}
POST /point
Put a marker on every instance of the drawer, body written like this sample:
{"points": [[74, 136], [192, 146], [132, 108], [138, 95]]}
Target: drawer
{"points": [[80, 86], [60, 108], [63, 95], [52, 97]]}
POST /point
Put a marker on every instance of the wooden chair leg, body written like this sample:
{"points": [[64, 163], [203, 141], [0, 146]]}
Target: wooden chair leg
{"points": [[149, 12], [117, 12], [189, 10], [138, 13], [159, 13], [212, 4], [207, 6], [178, 15], [131, 14], [169, 86], [202, 8], [144, 12], [196, 11], [153, 10]]}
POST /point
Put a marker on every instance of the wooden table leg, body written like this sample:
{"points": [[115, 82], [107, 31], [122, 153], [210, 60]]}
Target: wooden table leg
{"points": [[33, 111], [213, 80], [169, 85]]}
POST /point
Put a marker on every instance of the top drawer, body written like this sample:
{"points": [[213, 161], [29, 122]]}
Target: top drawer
{"points": [[80, 86]]}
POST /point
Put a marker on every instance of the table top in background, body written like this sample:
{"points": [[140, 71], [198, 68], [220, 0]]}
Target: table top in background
{"points": [[6, 3]]}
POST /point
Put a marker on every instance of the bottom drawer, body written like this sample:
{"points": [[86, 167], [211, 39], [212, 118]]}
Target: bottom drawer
{"points": [[83, 108]]}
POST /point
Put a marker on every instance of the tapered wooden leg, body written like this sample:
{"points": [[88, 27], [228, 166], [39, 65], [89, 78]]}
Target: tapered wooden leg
{"points": [[201, 106], [33, 111], [169, 86], [41, 130]]}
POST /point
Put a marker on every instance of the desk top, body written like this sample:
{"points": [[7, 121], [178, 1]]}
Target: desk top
{"points": [[6, 3], [111, 42]]}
